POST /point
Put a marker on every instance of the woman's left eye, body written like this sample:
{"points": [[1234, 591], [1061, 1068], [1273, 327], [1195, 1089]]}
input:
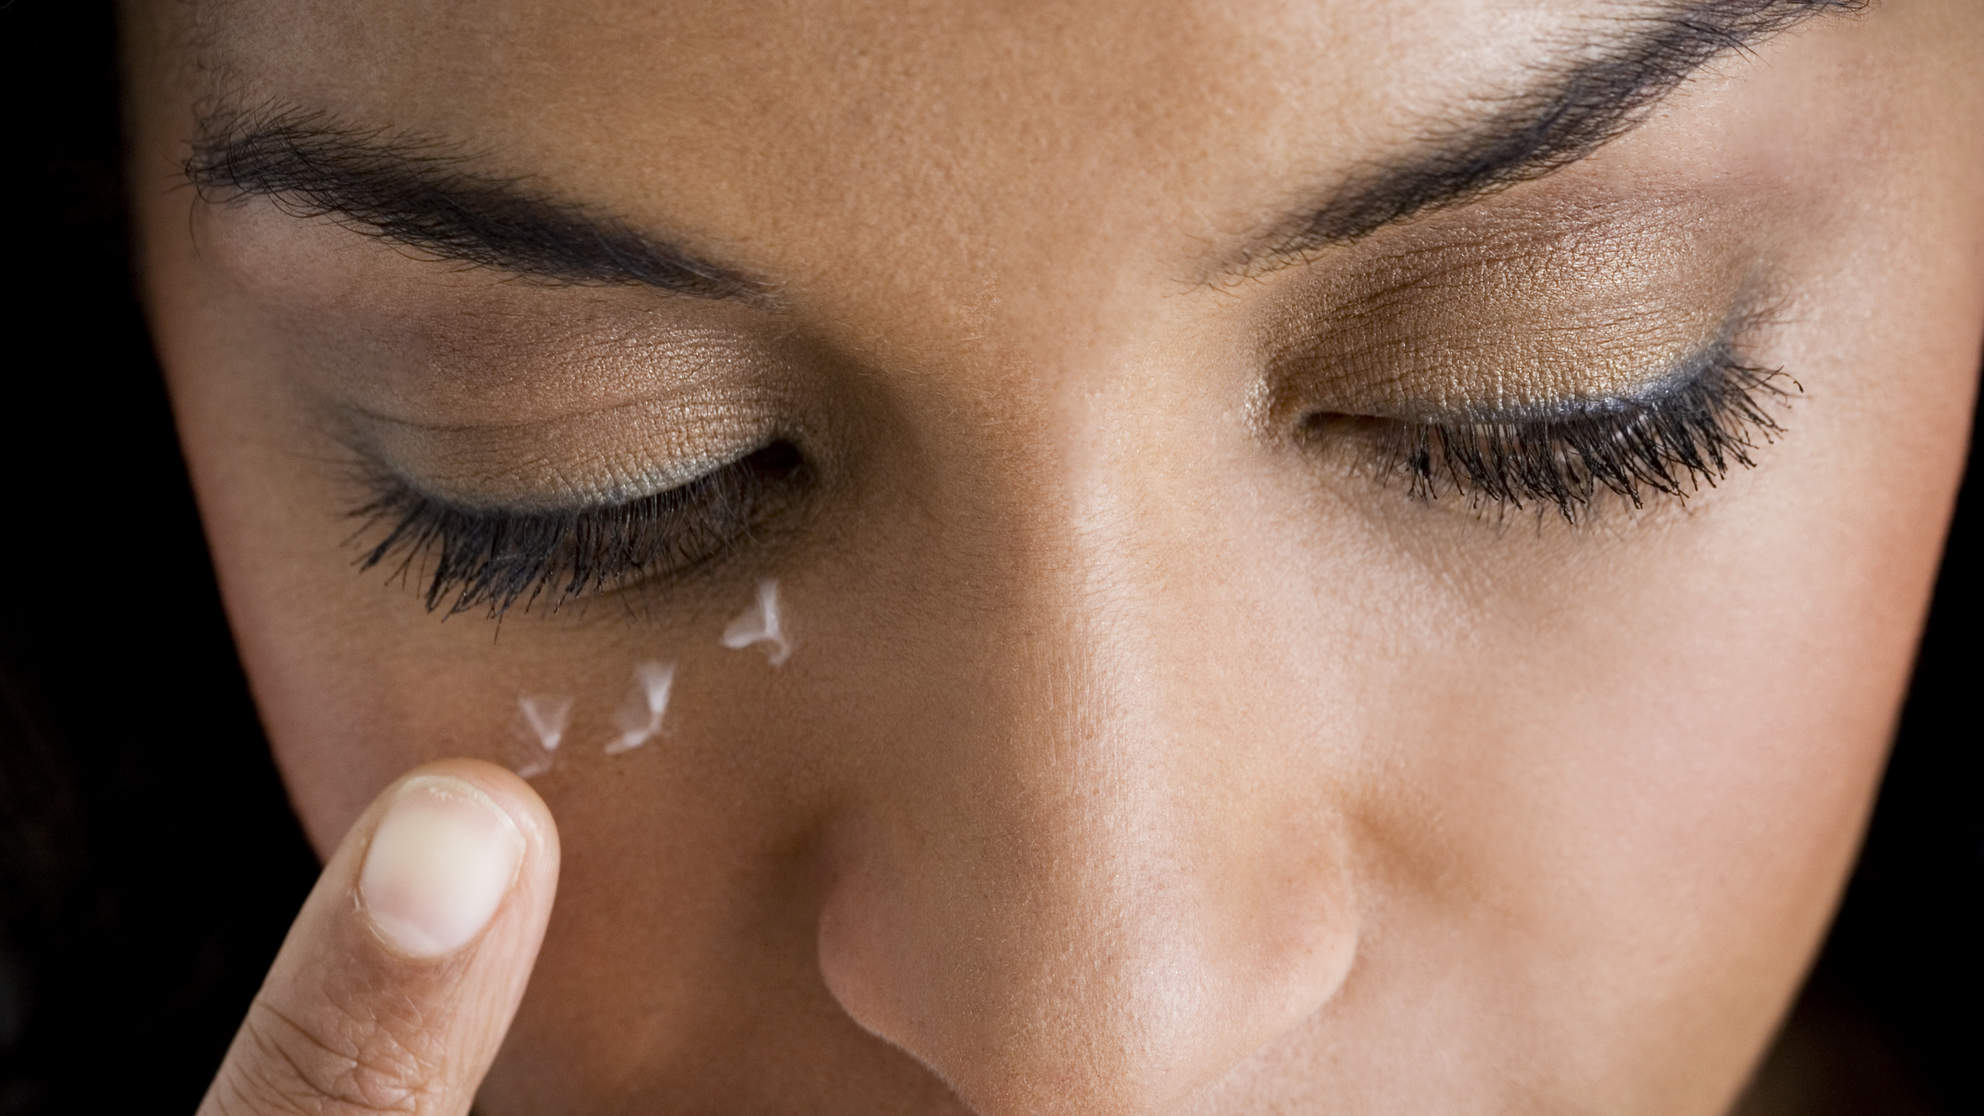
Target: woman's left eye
{"points": [[1668, 442], [466, 558]]}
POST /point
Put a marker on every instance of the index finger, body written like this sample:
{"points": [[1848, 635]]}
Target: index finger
{"points": [[401, 974]]}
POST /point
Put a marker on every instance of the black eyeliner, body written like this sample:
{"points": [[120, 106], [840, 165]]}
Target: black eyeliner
{"points": [[1687, 430], [465, 558]]}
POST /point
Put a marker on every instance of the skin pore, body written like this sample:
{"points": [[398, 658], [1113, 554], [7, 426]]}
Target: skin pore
{"points": [[1146, 744]]}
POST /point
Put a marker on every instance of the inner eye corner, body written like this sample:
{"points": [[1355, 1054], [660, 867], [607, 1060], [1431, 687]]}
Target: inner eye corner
{"points": [[1316, 423], [779, 457]]}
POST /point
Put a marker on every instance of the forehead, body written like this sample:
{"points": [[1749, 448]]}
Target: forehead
{"points": [[897, 68], [818, 112]]}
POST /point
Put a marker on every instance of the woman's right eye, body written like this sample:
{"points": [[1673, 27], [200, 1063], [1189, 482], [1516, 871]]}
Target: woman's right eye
{"points": [[464, 558]]}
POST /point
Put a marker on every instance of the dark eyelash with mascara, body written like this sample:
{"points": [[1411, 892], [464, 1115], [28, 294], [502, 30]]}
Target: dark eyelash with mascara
{"points": [[467, 558], [1668, 442]]}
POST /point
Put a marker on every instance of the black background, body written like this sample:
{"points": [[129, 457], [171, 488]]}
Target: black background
{"points": [[148, 861]]}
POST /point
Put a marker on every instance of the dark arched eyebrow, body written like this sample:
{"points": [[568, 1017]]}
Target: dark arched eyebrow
{"points": [[428, 196], [1645, 51]]}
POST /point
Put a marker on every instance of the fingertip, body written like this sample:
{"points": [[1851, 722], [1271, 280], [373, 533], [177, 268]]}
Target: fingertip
{"points": [[407, 963], [458, 848], [507, 790]]}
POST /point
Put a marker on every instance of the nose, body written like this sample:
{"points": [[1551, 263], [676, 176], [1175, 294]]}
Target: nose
{"points": [[1100, 876]]}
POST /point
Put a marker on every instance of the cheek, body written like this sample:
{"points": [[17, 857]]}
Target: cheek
{"points": [[1636, 777], [586, 701]]}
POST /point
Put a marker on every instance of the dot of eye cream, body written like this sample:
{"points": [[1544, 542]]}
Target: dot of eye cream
{"points": [[761, 623], [545, 717], [640, 718]]}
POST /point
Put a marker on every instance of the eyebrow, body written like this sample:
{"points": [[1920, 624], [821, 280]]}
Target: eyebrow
{"points": [[1573, 111], [428, 196]]}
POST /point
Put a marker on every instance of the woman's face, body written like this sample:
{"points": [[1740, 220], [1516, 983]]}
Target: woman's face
{"points": [[1273, 608]]}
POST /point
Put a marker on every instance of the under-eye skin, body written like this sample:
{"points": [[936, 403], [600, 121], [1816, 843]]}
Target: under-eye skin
{"points": [[1680, 435], [465, 558]]}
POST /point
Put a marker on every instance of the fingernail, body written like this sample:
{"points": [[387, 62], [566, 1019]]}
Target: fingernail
{"points": [[440, 863]]}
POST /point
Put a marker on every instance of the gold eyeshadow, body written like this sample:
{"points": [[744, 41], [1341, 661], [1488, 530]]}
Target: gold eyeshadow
{"points": [[1504, 313], [537, 400], [608, 455]]}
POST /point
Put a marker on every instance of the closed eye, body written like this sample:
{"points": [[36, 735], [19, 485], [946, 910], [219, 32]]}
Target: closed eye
{"points": [[1669, 442], [464, 558]]}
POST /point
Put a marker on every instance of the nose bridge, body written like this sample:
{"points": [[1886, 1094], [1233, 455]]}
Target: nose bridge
{"points": [[1098, 896]]}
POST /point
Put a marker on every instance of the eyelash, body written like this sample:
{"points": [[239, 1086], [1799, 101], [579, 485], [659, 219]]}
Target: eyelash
{"points": [[497, 559], [1669, 443]]}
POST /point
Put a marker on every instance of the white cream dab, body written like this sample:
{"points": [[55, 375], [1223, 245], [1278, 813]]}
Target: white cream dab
{"points": [[640, 718], [761, 624], [546, 716]]}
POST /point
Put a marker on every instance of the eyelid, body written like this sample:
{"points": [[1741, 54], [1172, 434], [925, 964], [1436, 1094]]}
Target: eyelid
{"points": [[1511, 310], [1644, 391], [497, 558], [610, 455], [1671, 442]]}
